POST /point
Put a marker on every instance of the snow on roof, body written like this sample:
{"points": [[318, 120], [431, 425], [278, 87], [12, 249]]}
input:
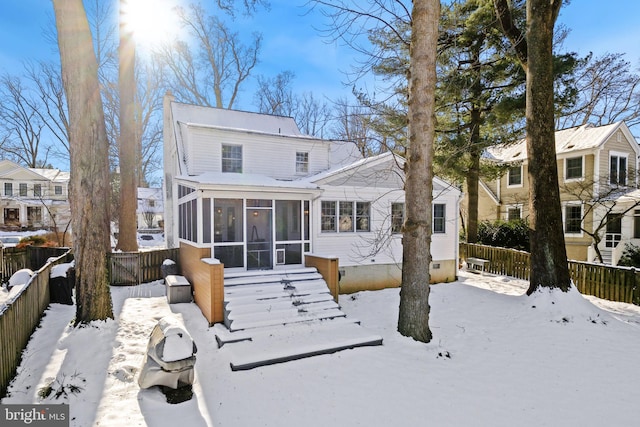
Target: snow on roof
{"points": [[632, 196], [583, 137], [245, 179], [231, 119], [364, 162], [439, 183], [52, 174], [149, 193], [343, 153], [12, 170]]}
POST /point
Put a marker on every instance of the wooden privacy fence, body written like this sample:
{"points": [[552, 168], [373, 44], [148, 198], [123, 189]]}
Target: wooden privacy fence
{"points": [[134, 268], [620, 284], [32, 257], [19, 318]]}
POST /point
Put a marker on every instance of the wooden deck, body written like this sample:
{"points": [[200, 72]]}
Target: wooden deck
{"points": [[274, 317]]}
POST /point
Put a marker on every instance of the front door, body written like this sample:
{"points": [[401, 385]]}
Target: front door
{"points": [[12, 216], [259, 234], [614, 230]]}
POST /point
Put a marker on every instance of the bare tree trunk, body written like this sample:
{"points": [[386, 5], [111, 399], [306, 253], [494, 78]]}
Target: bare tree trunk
{"points": [[475, 149], [549, 266], [473, 180], [128, 141], [413, 320], [89, 185]]}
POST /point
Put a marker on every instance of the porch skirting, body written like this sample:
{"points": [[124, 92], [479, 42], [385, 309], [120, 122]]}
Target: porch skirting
{"points": [[380, 276]]}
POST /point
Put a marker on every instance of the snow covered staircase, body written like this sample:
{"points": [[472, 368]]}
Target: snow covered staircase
{"points": [[277, 316]]}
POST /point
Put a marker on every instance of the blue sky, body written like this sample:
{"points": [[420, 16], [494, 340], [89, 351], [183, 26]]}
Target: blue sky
{"points": [[292, 43]]}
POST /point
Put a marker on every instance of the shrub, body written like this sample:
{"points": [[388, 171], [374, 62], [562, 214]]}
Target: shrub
{"points": [[36, 240], [630, 256], [505, 234]]}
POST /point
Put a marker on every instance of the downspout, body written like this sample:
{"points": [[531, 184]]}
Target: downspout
{"points": [[596, 170]]}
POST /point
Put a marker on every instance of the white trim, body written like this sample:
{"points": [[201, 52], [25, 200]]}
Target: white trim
{"points": [[619, 154], [564, 218], [521, 177], [222, 158], [565, 170], [512, 206], [490, 193]]}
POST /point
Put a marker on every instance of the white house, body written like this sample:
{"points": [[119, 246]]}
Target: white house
{"points": [[598, 178], [150, 208], [252, 191], [33, 198]]}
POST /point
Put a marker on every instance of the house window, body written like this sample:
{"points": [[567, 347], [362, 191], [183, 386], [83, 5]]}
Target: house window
{"points": [[187, 220], [618, 169], [58, 190], [514, 213], [302, 162], [363, 210], [397, 217], [573, 219], [184, 191], [636, 224], [345, 217], [439, 218], [573, 168], [8, 189], [515, 176], [34, 214], [37, 190], [328, 216], [232, 158], [23, 190]]}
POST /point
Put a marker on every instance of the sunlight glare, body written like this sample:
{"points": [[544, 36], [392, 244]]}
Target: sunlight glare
{"points": [[152, 22]]}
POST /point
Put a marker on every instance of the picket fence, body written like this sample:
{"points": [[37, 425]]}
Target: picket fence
{"points": [[619, 284]]}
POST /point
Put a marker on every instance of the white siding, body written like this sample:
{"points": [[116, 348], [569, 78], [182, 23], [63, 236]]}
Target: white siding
{"points": [[355, 248], [262, 154]]}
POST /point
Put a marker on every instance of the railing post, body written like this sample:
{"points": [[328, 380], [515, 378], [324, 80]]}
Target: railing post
{"points": [[328, 267], [216, 273]]}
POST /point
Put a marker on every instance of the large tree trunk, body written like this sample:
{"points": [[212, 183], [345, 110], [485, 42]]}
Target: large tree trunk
{"points": [[473, 180], [475, 149], [549, 266], [413, 320], [128, 142], [88, 146]]}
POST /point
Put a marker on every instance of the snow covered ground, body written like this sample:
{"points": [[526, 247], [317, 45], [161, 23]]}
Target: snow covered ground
{"points": [[497, 358]]}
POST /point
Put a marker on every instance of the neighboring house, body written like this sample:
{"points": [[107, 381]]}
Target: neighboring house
{"points": [[150, 209], [597, 172], [250, 190], [33, 198]]}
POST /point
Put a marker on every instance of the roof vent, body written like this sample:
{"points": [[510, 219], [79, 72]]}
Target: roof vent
{"points": [[517, 154], [568, 147]]}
